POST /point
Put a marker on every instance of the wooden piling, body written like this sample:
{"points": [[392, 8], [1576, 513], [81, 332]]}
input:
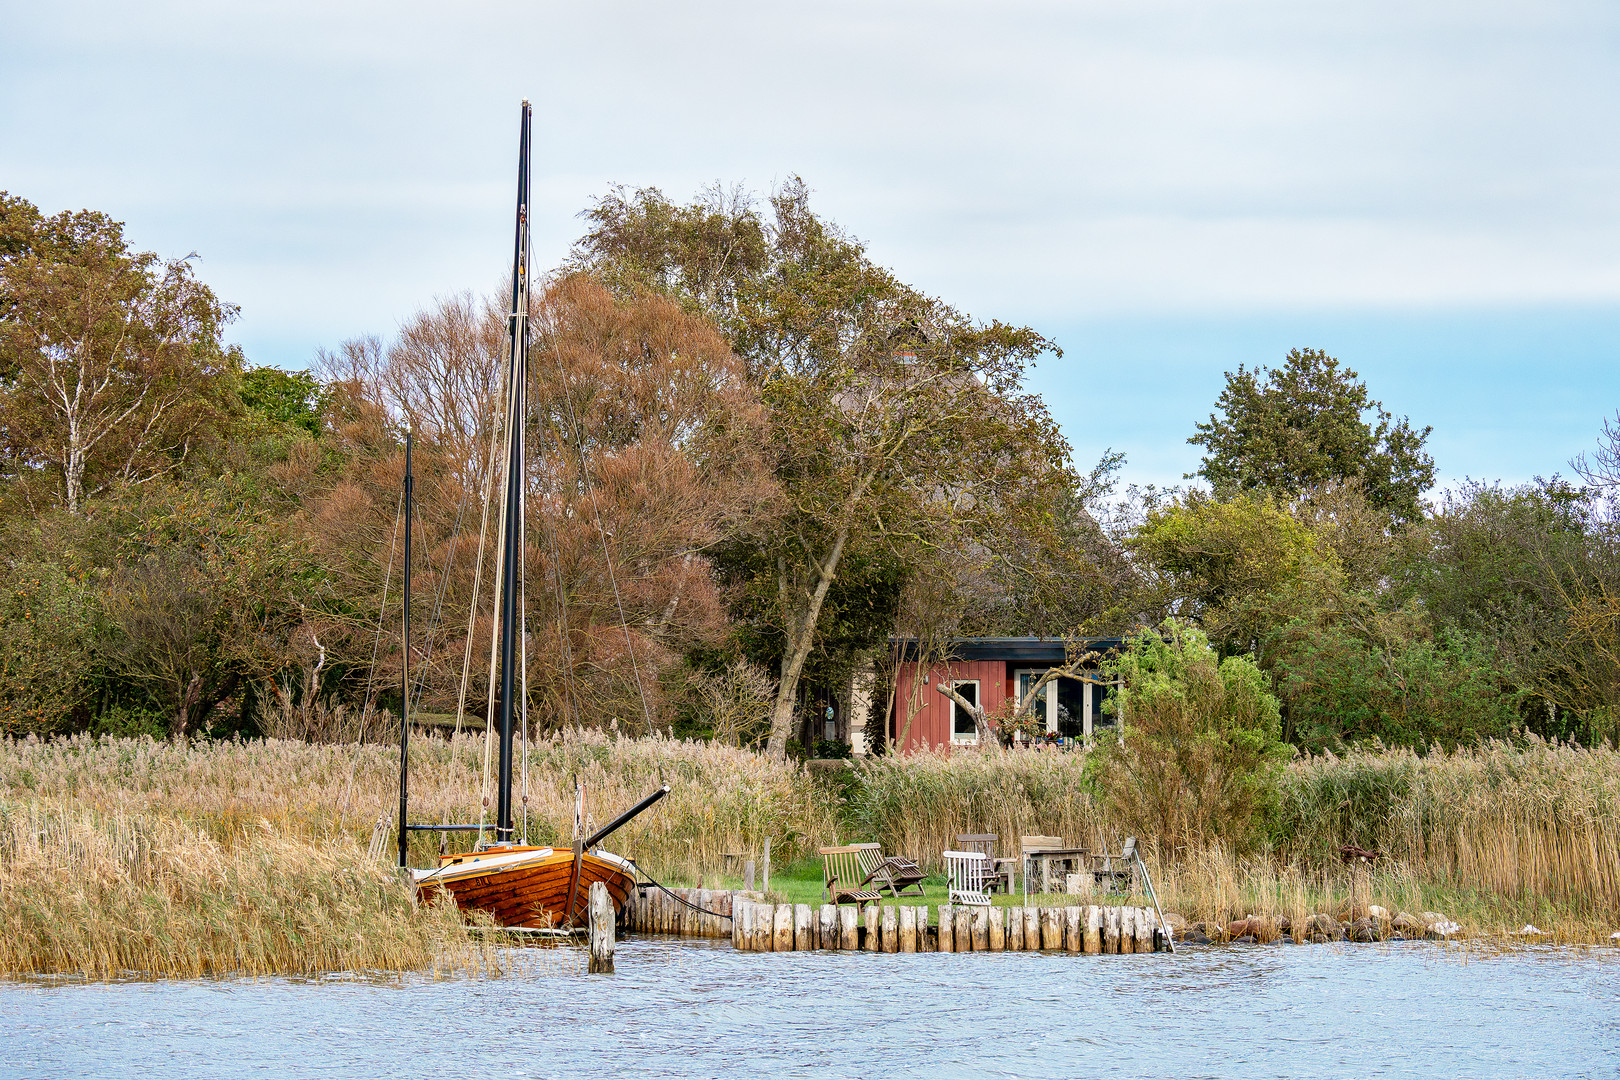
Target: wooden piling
{"points": [[849, 932], [737, 907], [927, 939], [980, 927], [601, 917], [764, 927], [1073, 929], [1111, 931], [782, 933], [1051, 929], [804, 933], [1015, 929], [1094, 917], [998, 929], [871, 925], [1032, 929], [1129, 929], [891, 929], [947, 928], [827, 927], [964, 928], [907, 924]]}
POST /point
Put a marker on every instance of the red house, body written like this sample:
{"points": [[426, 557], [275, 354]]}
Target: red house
{"points": [[987, 671]]}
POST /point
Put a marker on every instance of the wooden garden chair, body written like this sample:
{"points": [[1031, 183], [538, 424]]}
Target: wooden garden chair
{"points": [[969, 872], [842, 880], [1001, 869], [895, 872]]}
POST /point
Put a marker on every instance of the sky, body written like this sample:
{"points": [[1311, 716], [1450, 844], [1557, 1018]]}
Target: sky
{"points": [[1166, 188]]}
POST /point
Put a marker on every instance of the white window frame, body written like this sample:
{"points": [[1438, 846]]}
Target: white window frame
{"points": [[978, 696], [1048, 693]]}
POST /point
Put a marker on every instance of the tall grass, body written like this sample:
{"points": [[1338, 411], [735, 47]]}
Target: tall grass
{"points": [[108, 894], [183, 858], [1497, 836], [722, 799], [1541, 820]]}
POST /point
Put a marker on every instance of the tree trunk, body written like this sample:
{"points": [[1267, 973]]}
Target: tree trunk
{"points": [[800, 614], [188, 701]]}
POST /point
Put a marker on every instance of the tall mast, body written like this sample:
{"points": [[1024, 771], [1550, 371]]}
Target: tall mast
{"points": [[512, 506], [405, 658]]}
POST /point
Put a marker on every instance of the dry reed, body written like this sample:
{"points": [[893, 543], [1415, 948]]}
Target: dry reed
{"points": [[104, 895]]}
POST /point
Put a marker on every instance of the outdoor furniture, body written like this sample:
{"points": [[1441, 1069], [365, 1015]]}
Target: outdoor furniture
{"points": [[895, 872], [1001, 876], [842, 879], [1044, 855], [968, 872]]}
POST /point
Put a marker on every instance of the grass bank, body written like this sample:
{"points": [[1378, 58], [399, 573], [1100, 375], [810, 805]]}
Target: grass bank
{"points": [[189, 858]]}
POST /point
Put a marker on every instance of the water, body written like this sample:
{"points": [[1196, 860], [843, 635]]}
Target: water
{"points": [[698, 1009]]}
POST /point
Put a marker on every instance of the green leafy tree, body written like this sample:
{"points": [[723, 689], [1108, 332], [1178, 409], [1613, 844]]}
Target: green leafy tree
{"points": [[1352, 672], [1200, 754], [897, 426], [1237, 567], [111, 364], [1290, 429]]}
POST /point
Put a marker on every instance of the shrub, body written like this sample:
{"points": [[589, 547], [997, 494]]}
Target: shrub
{"points": [[1200, 752]]}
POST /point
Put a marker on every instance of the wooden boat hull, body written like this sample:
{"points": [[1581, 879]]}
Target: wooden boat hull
{"points": [[527, 886]]}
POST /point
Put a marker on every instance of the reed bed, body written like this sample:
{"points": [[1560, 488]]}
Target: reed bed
{"points": [[1493, 837], [722, 799], [105, 895]]}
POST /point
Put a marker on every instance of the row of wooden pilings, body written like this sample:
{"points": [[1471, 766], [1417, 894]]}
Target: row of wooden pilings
{"points": [[704, 913], [760, 927]]}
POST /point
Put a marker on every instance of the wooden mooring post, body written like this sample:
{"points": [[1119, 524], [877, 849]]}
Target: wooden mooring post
{"points": [[602, 920]]}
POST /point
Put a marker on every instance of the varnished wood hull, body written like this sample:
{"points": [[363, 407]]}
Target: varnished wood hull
{"points": [[527, 887]]}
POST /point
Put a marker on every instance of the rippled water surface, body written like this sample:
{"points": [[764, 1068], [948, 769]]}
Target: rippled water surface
{"points": [[683, 1008]]}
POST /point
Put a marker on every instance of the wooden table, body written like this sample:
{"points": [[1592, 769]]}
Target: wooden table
{"points": [[1070, 859]]}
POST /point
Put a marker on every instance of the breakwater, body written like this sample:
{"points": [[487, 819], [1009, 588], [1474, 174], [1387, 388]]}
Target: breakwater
{"points": [[755, 925]]}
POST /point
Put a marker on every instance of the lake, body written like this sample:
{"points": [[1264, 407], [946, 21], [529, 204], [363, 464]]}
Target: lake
{"points": [[684, 1008]]}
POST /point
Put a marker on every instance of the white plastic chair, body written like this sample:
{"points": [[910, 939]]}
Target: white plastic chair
{"points": [[969, 873]]}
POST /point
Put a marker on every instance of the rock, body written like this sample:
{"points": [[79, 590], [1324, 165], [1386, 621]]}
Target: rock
{"points": [[1322, 924], [1438, 925], [1197, 937], [1615, 937], [1408, 924], [1363, 934], [1285, 925], [1246, 939], [1175, 922], [1376, 912], [1286, 940], [1235, 930], [1530, 930]]}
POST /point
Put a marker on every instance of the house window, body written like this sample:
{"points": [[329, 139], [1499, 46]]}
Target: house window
{"points": [[1071, 709], [963, 729], [1045, 706]]}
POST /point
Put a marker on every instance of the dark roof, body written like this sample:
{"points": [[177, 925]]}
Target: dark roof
{"points": [[1030, 650]]}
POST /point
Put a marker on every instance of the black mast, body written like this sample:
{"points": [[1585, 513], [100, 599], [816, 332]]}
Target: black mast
{"points": [[405, 662], [517, 372]]}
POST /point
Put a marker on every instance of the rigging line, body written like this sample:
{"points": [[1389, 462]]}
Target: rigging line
{"points": [[660, 886], [563, 632], [596, 513], [472, 608], [502, 568], [382, 610], [438, 601], [523, 654]]}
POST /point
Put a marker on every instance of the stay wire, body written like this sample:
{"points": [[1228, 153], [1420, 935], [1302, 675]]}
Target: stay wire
{"points": [[596, 513], [679, 899]]}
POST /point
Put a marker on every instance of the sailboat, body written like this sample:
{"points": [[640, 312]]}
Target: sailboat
{"points": [[520, 885]]}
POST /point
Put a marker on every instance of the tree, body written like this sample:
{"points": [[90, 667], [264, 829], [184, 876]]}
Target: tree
{"points": [[111, 363], [1199, 755], [1236, 567], [897, 425], [1294, 428]]}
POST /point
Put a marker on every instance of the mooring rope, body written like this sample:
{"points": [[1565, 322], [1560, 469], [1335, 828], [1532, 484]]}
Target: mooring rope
{"points": [[660, 886]]}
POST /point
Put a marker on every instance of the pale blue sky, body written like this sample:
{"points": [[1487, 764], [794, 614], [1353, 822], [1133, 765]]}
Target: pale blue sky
{"points": [[1429, 191]]}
